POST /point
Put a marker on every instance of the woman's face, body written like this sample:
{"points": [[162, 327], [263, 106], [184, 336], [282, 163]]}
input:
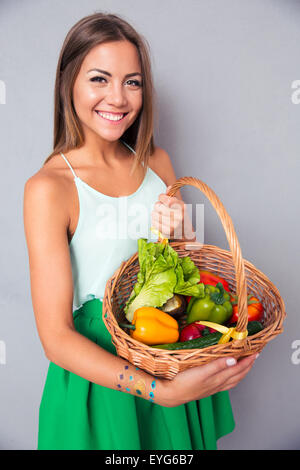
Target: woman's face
{"points": [[115, 88]]}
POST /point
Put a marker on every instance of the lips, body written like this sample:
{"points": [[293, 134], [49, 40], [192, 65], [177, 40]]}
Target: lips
{"points": [[109, 112], [114, 114]]}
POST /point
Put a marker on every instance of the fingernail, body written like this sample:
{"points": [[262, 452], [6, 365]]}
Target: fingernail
{"points": [[256, 355], [231, 361]]}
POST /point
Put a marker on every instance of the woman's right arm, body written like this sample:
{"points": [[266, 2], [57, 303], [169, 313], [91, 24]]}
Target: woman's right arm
{"points": [[46, 223]]}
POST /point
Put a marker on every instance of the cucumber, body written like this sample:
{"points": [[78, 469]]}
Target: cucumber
{"points": [[208, 340]]}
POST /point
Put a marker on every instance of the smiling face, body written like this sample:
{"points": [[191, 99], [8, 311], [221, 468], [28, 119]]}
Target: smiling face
{"points": [[110, 82]]}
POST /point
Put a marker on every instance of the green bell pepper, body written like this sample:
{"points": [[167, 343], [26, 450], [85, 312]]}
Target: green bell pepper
{"points": [[215, 306]]}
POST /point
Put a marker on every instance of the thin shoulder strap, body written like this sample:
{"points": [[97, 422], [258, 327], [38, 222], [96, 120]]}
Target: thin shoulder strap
{"points": [[128, 146], [74, 174]]}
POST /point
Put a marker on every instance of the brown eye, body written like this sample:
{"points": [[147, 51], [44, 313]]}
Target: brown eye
{"points": [[97, 79], [135, 82]]}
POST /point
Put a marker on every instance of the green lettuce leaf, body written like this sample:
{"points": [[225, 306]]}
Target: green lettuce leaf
{"points": [[162, 274], [188, 277]]}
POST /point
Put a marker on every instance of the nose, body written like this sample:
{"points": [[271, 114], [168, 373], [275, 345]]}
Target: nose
{"points": [[116, 95]]}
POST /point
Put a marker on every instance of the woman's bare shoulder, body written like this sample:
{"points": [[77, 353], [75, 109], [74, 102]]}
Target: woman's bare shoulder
{"points": [[51, 175], [161, 163], [48, 184]]}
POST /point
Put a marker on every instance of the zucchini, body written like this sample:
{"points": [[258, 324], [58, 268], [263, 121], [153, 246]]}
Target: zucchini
{"points": [[208, 340]]}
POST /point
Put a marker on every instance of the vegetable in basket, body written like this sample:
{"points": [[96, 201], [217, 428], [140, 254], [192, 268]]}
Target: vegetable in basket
{"points": [[152, 326], [255, 309], [175, 306], [162, 274], [214, 307], [207, 340], [193, 331], [211, 279]]}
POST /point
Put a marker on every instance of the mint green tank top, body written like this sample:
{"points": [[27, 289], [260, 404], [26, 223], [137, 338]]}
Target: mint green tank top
{"points": [[107, 232]]}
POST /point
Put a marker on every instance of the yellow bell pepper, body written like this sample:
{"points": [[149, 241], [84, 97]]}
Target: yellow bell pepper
{"points": [[153, 326]]}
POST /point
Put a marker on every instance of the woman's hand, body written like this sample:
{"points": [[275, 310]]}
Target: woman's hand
{"points": [[202, 381], [170, 218]]}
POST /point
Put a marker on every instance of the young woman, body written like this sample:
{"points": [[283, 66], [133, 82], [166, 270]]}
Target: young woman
{"points": [[104, 156]]}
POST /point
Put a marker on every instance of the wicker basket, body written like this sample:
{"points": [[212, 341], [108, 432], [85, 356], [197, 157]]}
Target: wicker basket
{"points": [[242, 276]]}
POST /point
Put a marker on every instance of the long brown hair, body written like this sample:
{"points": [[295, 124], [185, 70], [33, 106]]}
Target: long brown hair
{"points": [[90, 31]]}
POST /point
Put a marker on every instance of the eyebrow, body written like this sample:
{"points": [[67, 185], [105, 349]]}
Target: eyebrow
{"points": [[109, 74]]}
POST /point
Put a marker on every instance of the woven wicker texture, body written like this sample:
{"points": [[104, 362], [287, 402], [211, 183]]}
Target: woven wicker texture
{"points": [[243, 279]]}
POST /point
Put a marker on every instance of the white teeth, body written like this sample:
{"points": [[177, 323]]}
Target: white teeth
{"points": [[111, 117]]}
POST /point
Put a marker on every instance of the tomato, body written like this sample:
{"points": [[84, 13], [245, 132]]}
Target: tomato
{"points": [[255, 310]]}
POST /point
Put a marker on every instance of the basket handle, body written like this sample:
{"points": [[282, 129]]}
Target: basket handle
{"points": [[241, 286]]}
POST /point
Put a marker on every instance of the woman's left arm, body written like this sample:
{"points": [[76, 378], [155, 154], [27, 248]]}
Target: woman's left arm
{"points": [[170, 215]]}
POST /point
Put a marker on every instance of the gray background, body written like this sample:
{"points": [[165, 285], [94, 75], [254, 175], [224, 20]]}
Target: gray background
{"points": [[223, 73]]}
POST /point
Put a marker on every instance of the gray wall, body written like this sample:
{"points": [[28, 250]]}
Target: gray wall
{"points": [[227, 114]]}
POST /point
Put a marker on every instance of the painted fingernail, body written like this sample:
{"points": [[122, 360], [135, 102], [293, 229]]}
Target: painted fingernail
{"points": [[231, 361]]}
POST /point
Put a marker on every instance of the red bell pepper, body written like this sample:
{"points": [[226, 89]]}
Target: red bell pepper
{"points": [[211, 279]]}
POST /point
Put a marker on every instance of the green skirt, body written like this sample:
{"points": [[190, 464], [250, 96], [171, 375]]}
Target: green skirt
{"points": [[76, 414]]}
